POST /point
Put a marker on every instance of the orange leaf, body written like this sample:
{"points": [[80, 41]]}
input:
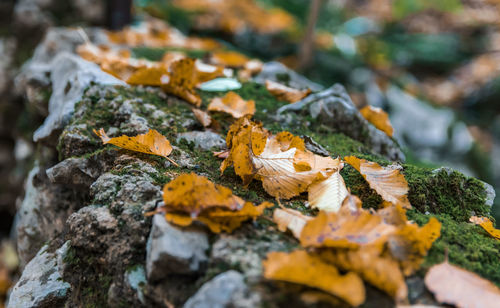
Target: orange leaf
{"points": [[487, 225], [344, 230], [290, 219], [284, 93], [352, 204], [191, 193], [150, 143], [148, 76], [202, 117], [410, 243], [232, 104], [378, 118], [456, 286], [388, 183], [306, 269], [328, 194], [381, 271], [229, 58]]}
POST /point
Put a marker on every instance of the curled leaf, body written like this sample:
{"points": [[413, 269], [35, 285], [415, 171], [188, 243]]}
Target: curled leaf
{"points": [[229, 58], [387, 182], [456, 286], [232, 104], [487, 225], [328, 194], [150, 143], [306, 269], [148, 76], [378, 118], [284, 93], [202, 117], [290, 219]]}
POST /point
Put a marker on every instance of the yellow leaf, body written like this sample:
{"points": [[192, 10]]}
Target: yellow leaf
{"points": [[388, 183], [306, 269], [456, 286], [232, 104], [284, 93], [394, 215], [345, 230], [410, 243], [378, 118], [191, 193], [150, 143], [329, 194], [382, 272], [290, 219], [487, 225], [229, 58], [148, 76], [184, 75]]}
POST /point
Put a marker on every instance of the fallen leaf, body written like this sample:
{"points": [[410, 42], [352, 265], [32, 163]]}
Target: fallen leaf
{"points": [[284, 93], [380, 271], [191, 194], [344, 230], [487, 225], [456, 286], [150, 143], [148, 76], [290, 219], [203, 117], [328, 194], [352, 204], [184, 75], [410, 244], [251, 68], [310, 270], [388, 183], [229, 58], [378, 117], [232, 104], [394, 215], [220, 85], [221, 154]]}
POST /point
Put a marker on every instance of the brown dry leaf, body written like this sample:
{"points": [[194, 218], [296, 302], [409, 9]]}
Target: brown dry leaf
{"points": [[456, 286], [284, 93], [184, 75], [379, 118], [150, 143], [389, 183], [191, 194], [345, 230], [382, 272], [290, 219], [310, 270], [352, 204], [410, 244], [232, 104], [148, 76], [203, 117], [251, 68], [328, 194], [305, 161], [229, 59], [218, 219], [487, 225], [394, 215]]}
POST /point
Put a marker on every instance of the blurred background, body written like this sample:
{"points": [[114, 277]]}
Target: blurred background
{"points": [[433, 65]]}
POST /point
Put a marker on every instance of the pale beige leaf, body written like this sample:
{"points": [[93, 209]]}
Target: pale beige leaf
{"points": [[456, 286], [290, 219], [328, 195]]}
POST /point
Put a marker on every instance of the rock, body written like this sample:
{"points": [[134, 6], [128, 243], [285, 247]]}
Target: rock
{"points": [[314, 147], [205, 140], [278, 72], [93, 11], [7, 50], [136, 279], [70, 76], [42, 214], [174, 250], [333, 107], [41, 283], [220, 292], [30, 15]]}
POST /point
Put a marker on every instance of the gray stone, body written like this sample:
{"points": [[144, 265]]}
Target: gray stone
{"points": [[30, 15], [333, 107], [70, 76], [220, 292], [174, 250], [136, 279], [276, 71], [490, 194], [93, 11], [41, 283], [205, 140], [314, 147], [76, 171]]}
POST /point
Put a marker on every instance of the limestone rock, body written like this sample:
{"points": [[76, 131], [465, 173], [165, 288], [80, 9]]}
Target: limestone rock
{"points": [[278, 72], [41, 283], [205, 140], [220, 292], [172, 249]]}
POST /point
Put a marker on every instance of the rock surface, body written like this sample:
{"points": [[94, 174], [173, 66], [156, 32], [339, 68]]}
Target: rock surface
{"points": [[41, 284], [174, 250], [203, 140]]}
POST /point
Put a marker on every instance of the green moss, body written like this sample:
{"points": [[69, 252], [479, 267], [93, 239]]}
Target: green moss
{"points": [[156, 54], [468, 246], [445, 192]]}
